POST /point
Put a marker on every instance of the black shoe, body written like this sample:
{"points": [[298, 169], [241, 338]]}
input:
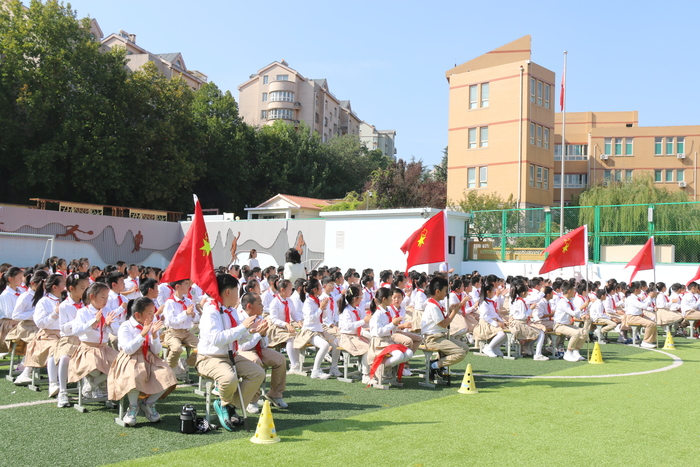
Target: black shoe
{"points": [[436, 373], [233, 418]]}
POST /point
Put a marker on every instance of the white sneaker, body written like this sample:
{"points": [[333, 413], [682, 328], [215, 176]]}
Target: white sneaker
{"points": [[569, 356], [489, 352], [334, 371], [647, 345], [63, 400], [540, 358], [296, 370], [130, 416], [621, 339], [23, 379], [98, 394], [319, 375], [53, 389], [86, 388], [149, 410], [19, 367], [366, 379], [277, 402], [252, 408], [470, 339], [407, 372], [577, 355]]}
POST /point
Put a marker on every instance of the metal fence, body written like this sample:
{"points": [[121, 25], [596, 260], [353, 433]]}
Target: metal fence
{"points": [[615, 233]]}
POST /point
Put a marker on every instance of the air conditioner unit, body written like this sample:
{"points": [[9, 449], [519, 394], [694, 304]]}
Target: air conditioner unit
{"points": [[680, 155], [604, 157], [681, 184]]}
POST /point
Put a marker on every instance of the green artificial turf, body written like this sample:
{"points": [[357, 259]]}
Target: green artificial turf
{"points": [[510, 421]]}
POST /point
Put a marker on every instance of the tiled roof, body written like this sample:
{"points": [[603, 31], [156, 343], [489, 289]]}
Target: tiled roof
{"points": [[302, 202]]}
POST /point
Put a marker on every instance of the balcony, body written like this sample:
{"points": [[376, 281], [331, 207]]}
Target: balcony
{"points": [[283, 86]]}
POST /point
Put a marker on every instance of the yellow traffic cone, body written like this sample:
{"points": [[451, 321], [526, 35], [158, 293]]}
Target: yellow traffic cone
{"points": [[468, 385], [265, 433], [669, 345], [597, 356]]}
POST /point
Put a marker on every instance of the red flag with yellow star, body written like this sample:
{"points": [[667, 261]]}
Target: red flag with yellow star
{"points": [[193, 259], [427, 244], [644, 259], [568, 250]]}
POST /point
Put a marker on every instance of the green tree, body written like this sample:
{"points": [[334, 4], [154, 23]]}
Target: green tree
{"points": [[487, 213], [440, 170], [406, 185]]}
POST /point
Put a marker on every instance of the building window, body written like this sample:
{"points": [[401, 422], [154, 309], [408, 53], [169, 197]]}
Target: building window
{"points": [[539, 135], [540, 84], [607, 176], [658, 146], [264, 97], [538, 181], [471, 177], [451, 244], [607, 147], [680, 175], [532, 175], [618, 175], [532, 90], [571, 180], [285, 114], [628, 146], [263, 114], [484, 137], [178, 64], [473, 96], [472, 138], [265, 79], [547, 90], [669, 146], [669, 176], [316, 119], [546, 138], [658, 175], [532, 133], [680, 147], [545, 179], [628, 175], [618, 146], [483, 176], [282, 78], [325, 121], [574, 152], [284, 96], [485, 95]]}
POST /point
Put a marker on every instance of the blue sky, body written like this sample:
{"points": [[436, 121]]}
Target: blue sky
{"points": [[389, 58]]}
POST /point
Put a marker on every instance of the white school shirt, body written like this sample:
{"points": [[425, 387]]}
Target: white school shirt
{"points": [[277, 314], [476, 294], [114, 302], [380, 324], [337, 292], [24, 310], [597, 311], [677, 305], [662, 302], [129, 284], [609, 305], [578, 302], [533, 296], [67, 314], [566, 312], [295, 300], [519, 309], [399, 312], [175, 316], [432, 315], [131, 340], [216, 335], [46, 314], [312, 314], [419, 299], [330, 314], [689, 303], [636, 307], [543, 307], [86, 318], [351, 319], [488, 311], [367, 297], [164, 292], [255, 338], [556, 296], [195, 294], [455, 299], [253, 263], [267, 298], [8, 300], [264, 285]]}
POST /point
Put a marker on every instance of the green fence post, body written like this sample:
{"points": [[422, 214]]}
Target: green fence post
{"points": [[650, 219], [547, 227], [465, 246], [596, 234], [504, 230]]}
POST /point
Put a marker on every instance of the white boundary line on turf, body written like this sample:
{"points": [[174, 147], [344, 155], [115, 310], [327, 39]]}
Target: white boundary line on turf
{"points": [[676, 363], [48, 401]]}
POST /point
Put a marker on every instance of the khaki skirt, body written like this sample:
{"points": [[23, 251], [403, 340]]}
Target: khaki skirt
{"points": [[67, 345], [304, 336], [129, 372], [354, 345], [543, 325], [42, 347], [24, 331], [88, 358], [277, 335], [522, 331], [376, 345], [484, 331], [6, 325]]}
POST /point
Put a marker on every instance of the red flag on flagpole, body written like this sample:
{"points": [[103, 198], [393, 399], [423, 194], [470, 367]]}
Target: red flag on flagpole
{"points": [[644, 259], [193, 259], [695, 277], [427, 244], [568, 250]]}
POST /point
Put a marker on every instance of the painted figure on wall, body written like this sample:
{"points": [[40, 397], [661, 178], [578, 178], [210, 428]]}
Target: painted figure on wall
{"points": [[300, 244], [138, 240], [234, 248], [71, 230]]}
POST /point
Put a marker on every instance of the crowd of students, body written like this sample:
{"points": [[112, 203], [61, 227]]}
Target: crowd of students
{"points": [[107, 328]]}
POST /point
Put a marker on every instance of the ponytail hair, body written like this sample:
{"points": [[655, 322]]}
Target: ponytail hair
{"points": [[72, 281], [5, 278], [311, 285], [350, 294], [300, 286], [632, 287], [138, 305], [273, 280], [485, 287], [381, 294], [283, 284], [40, 281], [456, 284], [516, 289], [94, 289]]}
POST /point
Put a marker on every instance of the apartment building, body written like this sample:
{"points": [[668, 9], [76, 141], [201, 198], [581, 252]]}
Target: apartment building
{"points": [[279, 92], [378, 139], [171, 65], [504, 136]]}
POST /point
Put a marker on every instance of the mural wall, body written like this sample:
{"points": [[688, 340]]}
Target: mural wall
{"points": [[102, 239]]}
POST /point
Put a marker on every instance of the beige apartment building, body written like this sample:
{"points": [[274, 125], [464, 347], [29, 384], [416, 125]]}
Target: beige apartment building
{"points": [[504, 136], [378, 139], [279, 92], [171, 65]]}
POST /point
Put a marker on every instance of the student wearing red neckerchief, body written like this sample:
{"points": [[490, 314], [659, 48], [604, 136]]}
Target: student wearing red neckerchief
{"points": [[381, 328], [402, 335], [354, 328], [520, 314], [664, 311], [23, 315], [331, 315], [138, 369], [10, 291], [285, 319], [581, 302], [544, 312], [418, 301], [367, 292], [491, 325], [116, 302], [180, 316], [464, 322], [563, 319], [436, 321]]}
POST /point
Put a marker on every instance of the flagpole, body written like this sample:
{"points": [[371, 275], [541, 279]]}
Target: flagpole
{"points": [[563, 149]]}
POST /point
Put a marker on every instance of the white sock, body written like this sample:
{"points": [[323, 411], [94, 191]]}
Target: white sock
{"points": [[52, 370], [133, 396], [497, 339], [292, 353], [323, 347], [335, 355], [396, 357], [27, 371], [540, 342], [365, 364], [154, 397], [63, 365]]}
